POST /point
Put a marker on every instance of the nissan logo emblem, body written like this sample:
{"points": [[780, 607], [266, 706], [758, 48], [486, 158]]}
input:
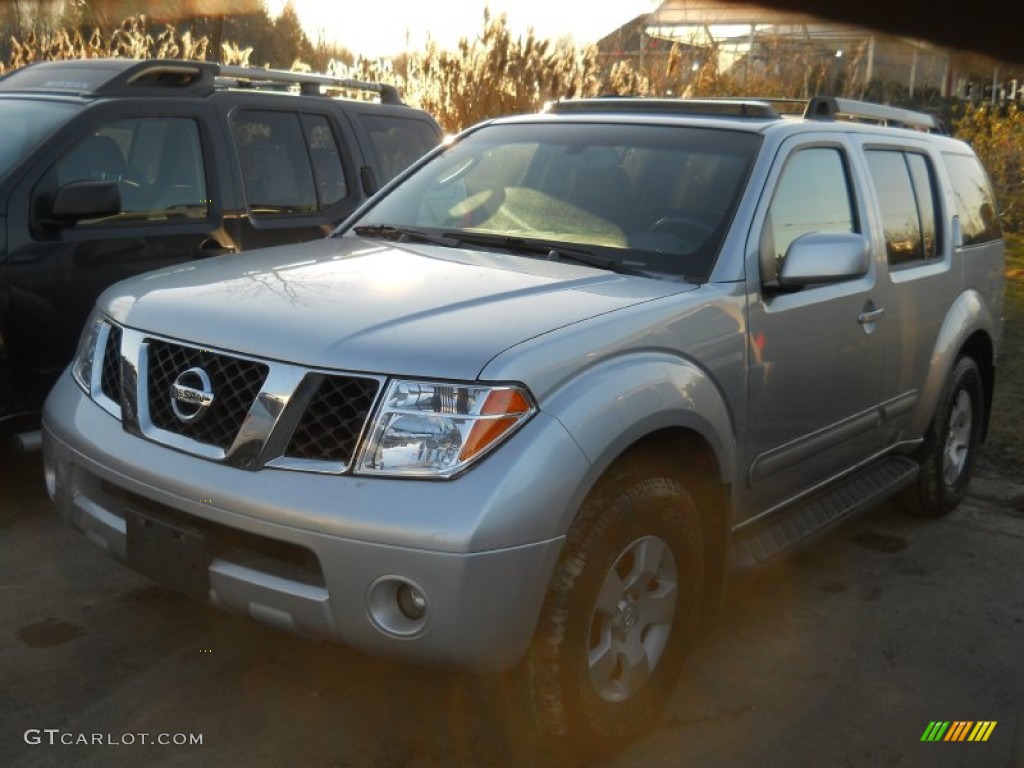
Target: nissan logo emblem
{"points": [[191, 394]]}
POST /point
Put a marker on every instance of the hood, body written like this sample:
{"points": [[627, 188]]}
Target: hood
{"points": [[363, 305]]}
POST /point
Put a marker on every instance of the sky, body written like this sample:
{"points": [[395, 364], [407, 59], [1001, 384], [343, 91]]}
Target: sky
{"points": [[386, 27]]}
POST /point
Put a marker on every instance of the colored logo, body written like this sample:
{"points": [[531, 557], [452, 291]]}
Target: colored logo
{"points": [[958, 730]]}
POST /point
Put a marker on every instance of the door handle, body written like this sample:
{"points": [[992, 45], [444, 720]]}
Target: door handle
{"points": [[870, 316]]}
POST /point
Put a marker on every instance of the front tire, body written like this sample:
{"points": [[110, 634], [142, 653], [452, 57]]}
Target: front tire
{"points": [[620, 612], [951, 444]]}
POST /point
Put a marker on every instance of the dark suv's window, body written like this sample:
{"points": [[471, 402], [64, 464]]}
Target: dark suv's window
{"points": [[904, 184], [397, 142], [813, 195], [290, 162], [975, 203], [156, 161]]}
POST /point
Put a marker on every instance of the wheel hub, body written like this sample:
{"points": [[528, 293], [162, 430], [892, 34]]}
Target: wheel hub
{"points": [[632, 618], [626, 617], [958, 439]]}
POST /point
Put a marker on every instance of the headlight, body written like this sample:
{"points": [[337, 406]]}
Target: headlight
{"points": [[85, 355], [432, 429]]}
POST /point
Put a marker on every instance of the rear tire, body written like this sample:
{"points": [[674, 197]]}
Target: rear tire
{"points": [[951, 444], [619, 615]]}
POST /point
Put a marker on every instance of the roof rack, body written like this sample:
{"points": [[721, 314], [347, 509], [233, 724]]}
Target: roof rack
{"points": [[757, 108], [831, 108], [818, 108], [309, 83], [151, 77]]}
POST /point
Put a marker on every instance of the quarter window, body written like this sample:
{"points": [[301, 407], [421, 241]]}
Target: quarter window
{"points": [[975, 203], [398, 143]]}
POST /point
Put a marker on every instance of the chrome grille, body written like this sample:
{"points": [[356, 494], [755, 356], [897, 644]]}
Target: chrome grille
{"points": [[331, 424], [110, 373], [235, 381]]}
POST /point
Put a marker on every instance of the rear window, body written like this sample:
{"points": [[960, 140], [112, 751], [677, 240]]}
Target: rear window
{"points": [[975, 202], [24, 123]]}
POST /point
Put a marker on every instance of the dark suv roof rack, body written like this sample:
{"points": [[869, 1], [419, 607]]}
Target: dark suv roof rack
{"points": [[712, 107], [149, 77], [831, 108], [309, 83]]}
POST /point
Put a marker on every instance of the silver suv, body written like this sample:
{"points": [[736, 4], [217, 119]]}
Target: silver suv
{"points": [[531, 404]]}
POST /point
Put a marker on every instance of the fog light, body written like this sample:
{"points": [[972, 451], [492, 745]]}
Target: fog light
{"points": [[397, 606], [411, 602]]}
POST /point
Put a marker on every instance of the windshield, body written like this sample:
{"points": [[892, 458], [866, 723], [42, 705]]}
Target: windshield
{"points": [[24, 123], [650, 197]]}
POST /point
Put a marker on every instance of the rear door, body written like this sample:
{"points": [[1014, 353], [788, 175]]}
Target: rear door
{"points": [[913, 232]]}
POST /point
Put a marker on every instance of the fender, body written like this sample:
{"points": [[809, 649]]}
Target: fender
{"points": [[968, 315], [617, 402]]}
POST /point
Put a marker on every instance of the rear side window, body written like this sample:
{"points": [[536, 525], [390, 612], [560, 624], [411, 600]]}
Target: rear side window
{"points": [[291, 163], [398, 142], [904, 184], [975, 203]]}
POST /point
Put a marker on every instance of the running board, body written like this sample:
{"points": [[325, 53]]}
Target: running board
{"points": [[797, 525]]}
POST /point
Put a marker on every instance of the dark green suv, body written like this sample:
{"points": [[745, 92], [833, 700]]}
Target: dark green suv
{"points": [[110, 168]]}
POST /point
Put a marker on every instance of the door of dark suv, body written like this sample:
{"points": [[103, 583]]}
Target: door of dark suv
{"points": [[112, 168], [176, 206]]}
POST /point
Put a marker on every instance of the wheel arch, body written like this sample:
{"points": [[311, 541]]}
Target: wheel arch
{"points": [[969, 329], [661, 407]]}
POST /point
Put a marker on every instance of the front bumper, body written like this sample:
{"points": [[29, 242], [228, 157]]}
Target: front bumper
{"points": [[325, 555]]}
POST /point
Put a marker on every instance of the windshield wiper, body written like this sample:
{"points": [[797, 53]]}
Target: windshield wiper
{"points": [[404, 235], [547, 251]]}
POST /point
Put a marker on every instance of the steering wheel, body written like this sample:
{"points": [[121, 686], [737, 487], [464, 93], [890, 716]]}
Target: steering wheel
{"points": [[476, 208], [687, 228]]}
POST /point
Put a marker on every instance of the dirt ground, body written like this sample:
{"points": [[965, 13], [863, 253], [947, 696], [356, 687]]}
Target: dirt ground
{"points": [[839, 656]]}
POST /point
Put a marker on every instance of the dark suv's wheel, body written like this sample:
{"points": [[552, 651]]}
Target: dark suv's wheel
{"points": [[621, 609], [951, 445]]}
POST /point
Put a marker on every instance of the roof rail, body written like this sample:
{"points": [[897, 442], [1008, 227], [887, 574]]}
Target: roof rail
{"points": [[309, 83], [831, 108], [711, 107], [151, 77]]}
